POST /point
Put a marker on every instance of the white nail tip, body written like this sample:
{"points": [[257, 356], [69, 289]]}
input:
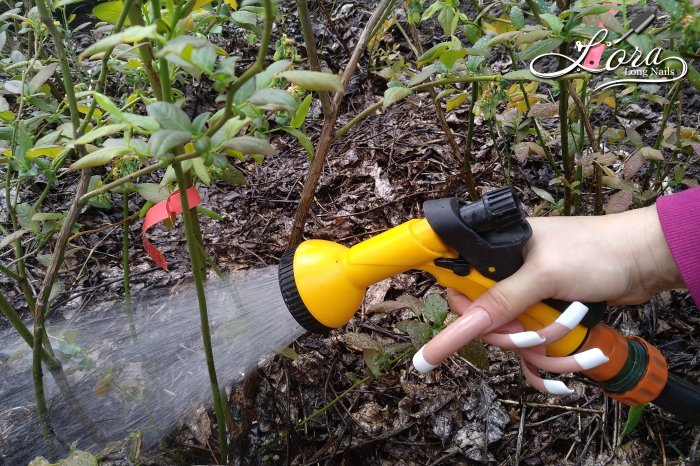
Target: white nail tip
{"points": [[526, 339], [556, 387], [591, 358], [573, 315], [421, 364]]}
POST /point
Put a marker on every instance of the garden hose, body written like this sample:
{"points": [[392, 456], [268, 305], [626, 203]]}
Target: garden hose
{"points": [[469, 247]]}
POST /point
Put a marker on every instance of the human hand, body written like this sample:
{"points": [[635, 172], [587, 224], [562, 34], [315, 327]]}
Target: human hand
{"points": [[621, 258]]}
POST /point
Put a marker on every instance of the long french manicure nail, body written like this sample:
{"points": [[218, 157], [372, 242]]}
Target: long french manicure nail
{"points": [[526, 339], [573, 315], [591, 358], [421, 364], [460, 332], [557, 387]]}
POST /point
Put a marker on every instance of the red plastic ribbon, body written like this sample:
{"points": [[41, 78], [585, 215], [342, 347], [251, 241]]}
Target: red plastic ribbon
{"points": [[161, 211], [595, 53]]}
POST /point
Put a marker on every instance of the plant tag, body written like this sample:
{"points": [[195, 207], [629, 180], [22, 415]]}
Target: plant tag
{"points": [[165, 210]]}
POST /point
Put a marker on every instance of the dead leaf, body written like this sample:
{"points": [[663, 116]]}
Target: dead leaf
{"points": [[361, 341], [413, 303], [618, 202], [475, 352], [632, 165], [544, 110], [385, 307]]}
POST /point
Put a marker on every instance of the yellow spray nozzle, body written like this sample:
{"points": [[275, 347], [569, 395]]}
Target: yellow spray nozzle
{"points": [[464, 246]]}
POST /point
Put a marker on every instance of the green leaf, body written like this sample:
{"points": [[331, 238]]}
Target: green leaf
{"points": [[634, 415], [152, 192], [41, 77], [672, 7], [451, 56], [265, 77], [544, 195], [313, 80], [372, 357], [169, 116], [431, 10], [694, 77], [435, 309], [109, 12], [229, 130], [302, 111], [12, 237], [166, 140], [418, 332], [395, 94], [525, 75], [201, 171], [432, 53], [250, 145], [128, 36], [595, 10], [232, 175], [456, 102], [273, 99], [108, 105], [100, 132], [25, 212], [517, 17], [421, 76], [552, 21], [539, 48], [141, 122], [543, 6], [502, 38], [532, 36], [99, 157], [303, 140], [101, 201]]}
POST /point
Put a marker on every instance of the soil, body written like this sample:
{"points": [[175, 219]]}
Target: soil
{"points": [[377, 177]]}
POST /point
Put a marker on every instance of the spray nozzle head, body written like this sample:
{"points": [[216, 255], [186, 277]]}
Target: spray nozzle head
{"points": [[497, 210]]}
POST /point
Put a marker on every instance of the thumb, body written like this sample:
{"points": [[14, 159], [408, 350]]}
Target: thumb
{"points": [[497, 306]]}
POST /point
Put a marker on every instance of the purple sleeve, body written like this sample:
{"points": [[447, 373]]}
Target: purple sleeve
{"points": [[680, 220]]}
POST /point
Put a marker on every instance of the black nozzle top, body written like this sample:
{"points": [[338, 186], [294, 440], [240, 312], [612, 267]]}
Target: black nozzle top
{"points": [[497, 210]]}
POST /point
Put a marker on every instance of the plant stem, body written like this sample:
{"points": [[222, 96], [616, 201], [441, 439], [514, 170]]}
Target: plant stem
{"points": [[13, 318], [125, 265], [248, 74], [146, 50], [540, 138], [593, 141], [376, 106], [197, 272], [418, 51], [567, 160], [467, 154], [326, 138], [102, 78], [311, 53]]}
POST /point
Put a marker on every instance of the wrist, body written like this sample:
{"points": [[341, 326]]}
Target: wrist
{"points": [[652, 266]]}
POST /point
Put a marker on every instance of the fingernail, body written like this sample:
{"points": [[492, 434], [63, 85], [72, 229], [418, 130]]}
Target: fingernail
{"points": [[573, 315], [591, 358], [460, 332], [557, 387], [526, 339], [421, 364]]}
